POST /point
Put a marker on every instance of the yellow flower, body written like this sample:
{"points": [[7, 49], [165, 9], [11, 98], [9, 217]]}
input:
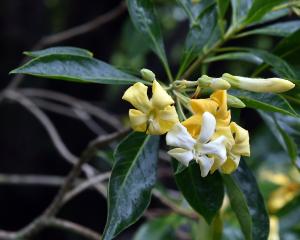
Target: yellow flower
{"points": [[237, 138], [154, 116]]}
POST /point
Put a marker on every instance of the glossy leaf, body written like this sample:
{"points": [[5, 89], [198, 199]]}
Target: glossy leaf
{"points": [[132, 179], [162, 228], [265, 101], [222, 7], [259, 8], [60, 50], [240, 9], [288, 45], [286, 130], [143, 16], [205, 195], [75, 68], [247, 203], [281, 29], [244, 56]]}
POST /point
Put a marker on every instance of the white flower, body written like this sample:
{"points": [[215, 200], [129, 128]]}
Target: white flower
{"points": [[203, 150]]}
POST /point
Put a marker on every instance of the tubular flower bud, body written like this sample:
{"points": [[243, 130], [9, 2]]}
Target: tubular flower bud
{"points": [[235, 102], [154, 116], [147, 75], [273, 85], [213, 83]]}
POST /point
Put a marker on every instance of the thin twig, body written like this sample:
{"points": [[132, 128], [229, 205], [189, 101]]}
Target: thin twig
{"points": [[85, 185], [74, 102], [73, 227]]}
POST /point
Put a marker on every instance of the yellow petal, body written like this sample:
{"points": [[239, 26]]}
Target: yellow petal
{"points": [[137, 96], [167, 118], [231, 164], [226, 132], [274, 228], [241, 146], [199, 106], [160, 98], [193, 125], [220, 97], [138, 120]]}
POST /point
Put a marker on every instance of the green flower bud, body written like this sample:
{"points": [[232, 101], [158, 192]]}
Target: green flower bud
{"points": [[235, 102], [147, 75], [213, 83]]}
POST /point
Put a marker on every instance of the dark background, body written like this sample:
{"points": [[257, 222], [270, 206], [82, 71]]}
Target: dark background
{"points": [[25, 146]]}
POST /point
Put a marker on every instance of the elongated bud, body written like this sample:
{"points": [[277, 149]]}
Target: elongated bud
{"points": [[273, 85], [235, 102], [147, 75], [214, 83]]}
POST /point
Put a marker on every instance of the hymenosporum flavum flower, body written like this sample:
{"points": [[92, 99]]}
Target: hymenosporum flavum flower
{"points": [[237, 138], [154, 116], [204, 150], [273, 85]]}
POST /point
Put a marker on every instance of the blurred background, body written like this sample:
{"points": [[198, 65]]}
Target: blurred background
{"points": [[24, 144]]}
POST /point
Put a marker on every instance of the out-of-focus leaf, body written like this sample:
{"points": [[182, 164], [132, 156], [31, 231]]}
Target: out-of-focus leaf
{"points": [[273, 15], [132, 179], [194, 10], [75, 68], [265, 101], [288, 45], [281, 29], [203, 33], [143, 16], [205, 195], [286, 130], [247, 203], [240, 9], [60, 50], [162, 228], [244, 56], [259, 8], [222, 7]]}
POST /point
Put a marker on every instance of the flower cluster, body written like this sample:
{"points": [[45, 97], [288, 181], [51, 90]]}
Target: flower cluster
{"points": [[208, 136]]}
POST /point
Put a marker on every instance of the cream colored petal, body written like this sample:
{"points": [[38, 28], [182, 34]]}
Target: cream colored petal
{"points": [[218, 162], [138, 120], [231, 164], [137, 96], [226, 132], [160, 98], [167, 118], [208, 127], [154, 127], [193, 125], [199, 106], [215, 147], [182, 155], [205, 165], [178, 136], [241, 146]]}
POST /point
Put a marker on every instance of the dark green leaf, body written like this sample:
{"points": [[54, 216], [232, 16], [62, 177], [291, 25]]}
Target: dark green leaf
{"points": [[132, 179], [144, 18], [286, 130], [288, 45], [162, 228], [240, 9], [205, 195], [247, 203], [259, 8], [60, 50], [75, 68], [222, 7], [265, 101], [281, 29]]}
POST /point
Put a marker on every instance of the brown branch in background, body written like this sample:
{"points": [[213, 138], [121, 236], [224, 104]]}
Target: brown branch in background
{"points": [[73, 227], [70, 33], [74, 102]]}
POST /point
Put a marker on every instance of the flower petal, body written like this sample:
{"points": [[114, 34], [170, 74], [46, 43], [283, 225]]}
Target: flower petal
{"points": [[215, 147], [138, 120], [160, 98], [208, 127], [193, 125], [154, 127], [205, 165], [199, 106], [218, 162], [226, 132], [179, 137], [182, 155], [220, 97], [231, 164], [167, 118], [241, 146], [137, 96]]}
